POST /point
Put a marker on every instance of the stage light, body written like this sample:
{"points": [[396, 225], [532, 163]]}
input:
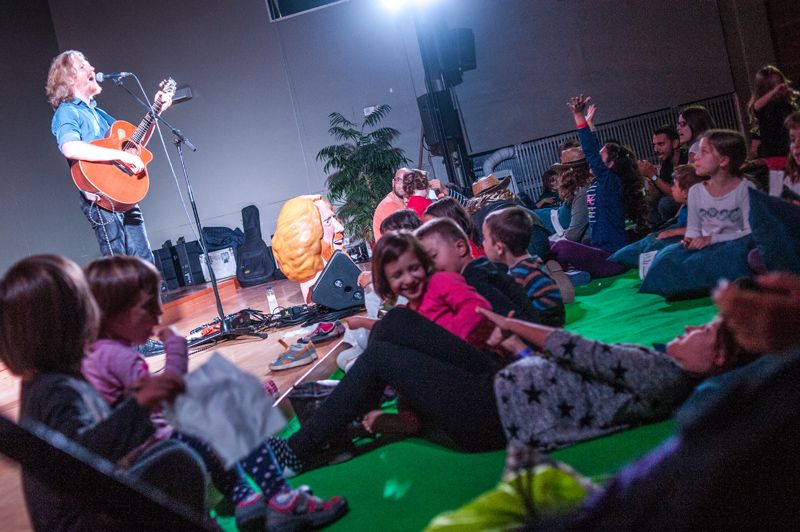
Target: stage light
{"points": [[396, 5]]}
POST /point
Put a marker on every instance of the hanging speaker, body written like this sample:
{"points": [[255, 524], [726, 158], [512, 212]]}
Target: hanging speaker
{"points": [[337, 286]]}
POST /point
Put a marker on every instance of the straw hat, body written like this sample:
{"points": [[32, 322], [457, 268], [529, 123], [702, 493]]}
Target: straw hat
{"points": [[570, 158], [490, 183]]}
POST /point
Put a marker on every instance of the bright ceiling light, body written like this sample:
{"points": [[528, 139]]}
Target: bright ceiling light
{"points": [[396, 5]]}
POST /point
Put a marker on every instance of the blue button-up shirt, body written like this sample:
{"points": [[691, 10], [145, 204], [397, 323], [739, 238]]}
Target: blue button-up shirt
{"points": [[74, 120]]}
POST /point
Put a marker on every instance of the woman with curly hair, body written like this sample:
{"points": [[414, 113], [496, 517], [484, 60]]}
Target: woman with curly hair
{"points": [[571, 184], [614, 196]]}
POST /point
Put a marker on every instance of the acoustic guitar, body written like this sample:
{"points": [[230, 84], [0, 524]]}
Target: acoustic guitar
{"points": [[117, 187]]}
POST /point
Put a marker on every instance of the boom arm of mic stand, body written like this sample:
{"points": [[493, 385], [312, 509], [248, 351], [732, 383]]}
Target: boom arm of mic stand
{"points": [[175, 131]]}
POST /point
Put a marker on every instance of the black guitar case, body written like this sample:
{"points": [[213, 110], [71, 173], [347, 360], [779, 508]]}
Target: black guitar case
{"points": [[254, 261]]}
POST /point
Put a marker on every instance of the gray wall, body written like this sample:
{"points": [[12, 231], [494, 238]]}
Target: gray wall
{"points": [[631, 56], [39, 204], [262, 91]]}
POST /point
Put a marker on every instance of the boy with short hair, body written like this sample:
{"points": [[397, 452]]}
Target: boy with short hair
{"points": [[448, 246], [506, 233], [683, 178]]}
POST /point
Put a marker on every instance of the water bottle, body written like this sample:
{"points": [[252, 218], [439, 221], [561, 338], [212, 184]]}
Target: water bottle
{"points": [[272, 301], [372, 301]]}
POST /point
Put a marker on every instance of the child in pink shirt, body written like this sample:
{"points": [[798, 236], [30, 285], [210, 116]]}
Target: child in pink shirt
{"points": [[127, 290]]}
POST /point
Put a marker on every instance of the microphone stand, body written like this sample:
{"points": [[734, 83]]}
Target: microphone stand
{"points": [[226, 330]]}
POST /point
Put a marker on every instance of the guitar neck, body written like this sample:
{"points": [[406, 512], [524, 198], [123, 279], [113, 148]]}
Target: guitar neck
{"points": [[147, 121]]}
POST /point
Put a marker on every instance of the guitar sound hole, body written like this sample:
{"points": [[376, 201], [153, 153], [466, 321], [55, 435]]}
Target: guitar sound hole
{"points": [[130, 147]]}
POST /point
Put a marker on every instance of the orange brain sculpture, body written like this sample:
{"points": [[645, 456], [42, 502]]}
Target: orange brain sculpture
{"points": [[297, 242]]}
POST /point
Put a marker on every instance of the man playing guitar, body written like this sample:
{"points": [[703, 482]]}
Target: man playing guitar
{"points": [[71, 88]]}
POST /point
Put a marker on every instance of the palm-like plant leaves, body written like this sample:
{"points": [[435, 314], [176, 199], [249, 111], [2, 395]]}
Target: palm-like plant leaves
{"points": [[361, 166]]}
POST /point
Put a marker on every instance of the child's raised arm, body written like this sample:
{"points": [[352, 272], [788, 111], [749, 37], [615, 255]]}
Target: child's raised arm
{"points": [[533, 333]]}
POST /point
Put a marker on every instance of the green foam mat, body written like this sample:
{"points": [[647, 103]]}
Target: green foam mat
{"points": [[402, 486]]}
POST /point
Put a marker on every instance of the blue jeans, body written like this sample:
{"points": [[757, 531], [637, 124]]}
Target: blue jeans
{"points": [[118, 233]]}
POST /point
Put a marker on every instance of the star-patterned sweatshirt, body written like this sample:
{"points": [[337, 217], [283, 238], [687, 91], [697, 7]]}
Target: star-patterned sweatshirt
{"points": [[579, 389]]}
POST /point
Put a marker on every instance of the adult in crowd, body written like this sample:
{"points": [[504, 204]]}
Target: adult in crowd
{"points": [[391, 203], [667, 147], [692, 123], [490, 194]]}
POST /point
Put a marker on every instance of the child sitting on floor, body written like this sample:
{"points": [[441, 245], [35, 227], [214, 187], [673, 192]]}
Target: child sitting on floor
{"points": [[718, 208], [426, 351], [450, 208], [505, 237], [402, 220], [448, 247], [402, 268], [127, 290], [614, 197], [684, 177], [47, 319]]}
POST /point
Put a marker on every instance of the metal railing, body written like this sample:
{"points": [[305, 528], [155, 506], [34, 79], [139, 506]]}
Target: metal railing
{"points": [[533, 158]]}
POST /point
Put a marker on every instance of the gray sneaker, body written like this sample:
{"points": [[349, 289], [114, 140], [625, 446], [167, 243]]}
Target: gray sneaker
{"points": [[298, 509]]}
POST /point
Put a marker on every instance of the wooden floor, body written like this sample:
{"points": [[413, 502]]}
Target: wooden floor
{"points": [[187, 312]]}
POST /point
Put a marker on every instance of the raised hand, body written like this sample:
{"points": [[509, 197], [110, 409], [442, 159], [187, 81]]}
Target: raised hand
{"points": [[590, 112], [577, 104]]}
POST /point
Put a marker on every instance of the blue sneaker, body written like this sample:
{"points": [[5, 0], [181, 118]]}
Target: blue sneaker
{"points": [[578, 277], [295, 355], [150, 348]]}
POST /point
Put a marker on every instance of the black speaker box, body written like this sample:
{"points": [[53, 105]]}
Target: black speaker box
{"points": [[187, 255], [465, 44], [337, 286], [450, 119], [165, 265]]}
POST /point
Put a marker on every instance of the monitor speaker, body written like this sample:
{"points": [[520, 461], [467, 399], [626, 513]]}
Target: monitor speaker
{"points": [[337, 286]]}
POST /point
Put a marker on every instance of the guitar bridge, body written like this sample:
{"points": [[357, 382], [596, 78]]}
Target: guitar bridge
{"points": [[123, 168]]}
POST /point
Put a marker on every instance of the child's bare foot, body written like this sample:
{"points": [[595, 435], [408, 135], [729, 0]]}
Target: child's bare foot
{"points": [[380, 422]]}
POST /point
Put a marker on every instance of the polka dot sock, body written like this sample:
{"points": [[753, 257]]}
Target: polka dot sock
{"points": [[285, 456]]}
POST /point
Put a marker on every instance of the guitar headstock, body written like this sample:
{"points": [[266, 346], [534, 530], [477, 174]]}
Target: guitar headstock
{"points": [[165, 89], [167, 86]]}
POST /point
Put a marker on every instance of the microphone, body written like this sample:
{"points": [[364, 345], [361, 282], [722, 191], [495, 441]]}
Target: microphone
{"points": [[112, 76]]}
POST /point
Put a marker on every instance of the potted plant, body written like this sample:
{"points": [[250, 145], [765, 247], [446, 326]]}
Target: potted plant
{"points": [[362, 167]]}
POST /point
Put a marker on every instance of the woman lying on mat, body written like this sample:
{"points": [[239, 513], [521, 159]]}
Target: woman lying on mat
{"points": [[567, 388], [433, 352]]}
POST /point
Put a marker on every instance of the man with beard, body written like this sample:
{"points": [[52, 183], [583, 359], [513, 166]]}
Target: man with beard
{"points": [[77, 121], [393, 202], [667, 147]]}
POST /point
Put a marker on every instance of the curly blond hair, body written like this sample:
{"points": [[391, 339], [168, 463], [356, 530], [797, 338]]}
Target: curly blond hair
{"points": [[297, 242], [61, 77]]}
